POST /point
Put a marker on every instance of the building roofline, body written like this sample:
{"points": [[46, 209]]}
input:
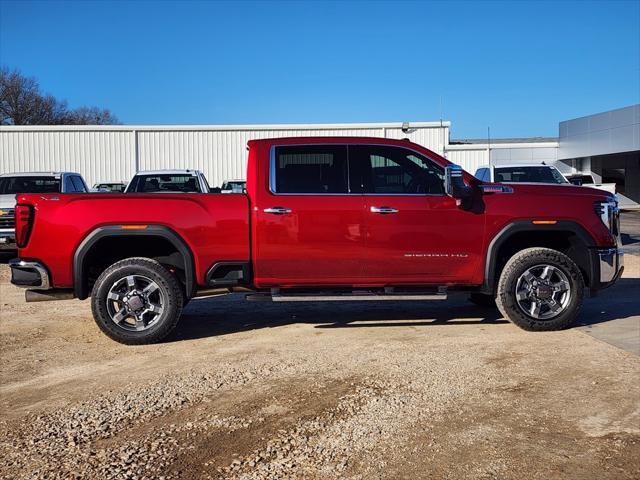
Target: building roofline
{"points": [[472, 141], [497, 146], [635, 105], [265, 127]]}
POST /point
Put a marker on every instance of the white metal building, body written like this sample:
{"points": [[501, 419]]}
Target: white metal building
{"points": [[607, 145]]}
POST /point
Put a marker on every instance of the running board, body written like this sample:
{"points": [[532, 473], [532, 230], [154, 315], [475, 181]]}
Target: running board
{"points": [[441, 294]]}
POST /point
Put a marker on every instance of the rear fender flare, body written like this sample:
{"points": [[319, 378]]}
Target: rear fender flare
{"points": [[79, 287]]}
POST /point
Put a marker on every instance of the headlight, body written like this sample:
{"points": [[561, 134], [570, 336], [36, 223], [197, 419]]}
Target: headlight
{"points": [[609, 214]]}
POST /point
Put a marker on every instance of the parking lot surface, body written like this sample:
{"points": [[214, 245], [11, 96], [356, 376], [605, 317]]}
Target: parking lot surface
{"points": [[382, 390]]}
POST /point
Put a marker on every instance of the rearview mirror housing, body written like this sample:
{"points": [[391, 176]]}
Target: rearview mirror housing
{"points": [[454, 185]]}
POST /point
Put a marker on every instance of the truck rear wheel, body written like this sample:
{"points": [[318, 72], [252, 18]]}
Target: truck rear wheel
{"points": [[136, 301], [540, 289]]}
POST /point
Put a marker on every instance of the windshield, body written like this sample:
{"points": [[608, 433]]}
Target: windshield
{"points": [[164, 183], [13, 185], [540, 174]]}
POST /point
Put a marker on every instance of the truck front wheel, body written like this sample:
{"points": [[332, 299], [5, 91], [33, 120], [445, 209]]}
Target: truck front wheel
{"points": [[540, 289], [136, 301]]}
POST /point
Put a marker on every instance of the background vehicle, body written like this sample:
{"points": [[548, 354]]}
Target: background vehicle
{"points": [[586, 180], [324, 219], [234, 186], [530, 173], [166, 181], [110, 187], [31, 182]]}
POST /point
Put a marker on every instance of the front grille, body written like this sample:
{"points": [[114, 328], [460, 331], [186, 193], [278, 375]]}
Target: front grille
{"points": [[8, 219]]}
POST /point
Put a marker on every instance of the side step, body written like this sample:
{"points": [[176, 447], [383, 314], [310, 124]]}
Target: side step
{"points": [[358, 295]]}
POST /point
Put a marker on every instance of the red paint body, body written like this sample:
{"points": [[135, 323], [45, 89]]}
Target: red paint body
{"points": [[326, 239]]}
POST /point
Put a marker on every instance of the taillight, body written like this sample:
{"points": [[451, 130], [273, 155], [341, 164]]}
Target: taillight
{"points": [[24, 222]]}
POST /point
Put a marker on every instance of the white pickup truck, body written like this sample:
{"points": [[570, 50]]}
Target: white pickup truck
{"points": [[520, 173], [537, 173], [168, 181], [586, 180], [30, 182]]}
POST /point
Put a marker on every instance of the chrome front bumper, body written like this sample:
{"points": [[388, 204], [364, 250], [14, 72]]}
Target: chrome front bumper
{"points": [[611, 264], [30, 275]]}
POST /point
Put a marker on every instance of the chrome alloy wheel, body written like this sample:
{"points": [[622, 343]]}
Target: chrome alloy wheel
{"points": [[543, 292], [135, 303]]}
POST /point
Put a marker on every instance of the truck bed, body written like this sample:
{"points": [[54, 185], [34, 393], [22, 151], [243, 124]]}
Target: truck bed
{"points": [[215, 227]]}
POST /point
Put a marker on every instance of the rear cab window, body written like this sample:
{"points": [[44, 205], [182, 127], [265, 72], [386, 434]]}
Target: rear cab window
{"points": [[541, 174], [304, 169]]}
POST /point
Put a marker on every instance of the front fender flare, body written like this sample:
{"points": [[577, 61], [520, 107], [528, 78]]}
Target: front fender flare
{"points": [[519, 226]]}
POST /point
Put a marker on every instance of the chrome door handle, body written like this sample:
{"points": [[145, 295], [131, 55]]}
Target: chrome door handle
{"points": [[384, 210], [277, 210]]}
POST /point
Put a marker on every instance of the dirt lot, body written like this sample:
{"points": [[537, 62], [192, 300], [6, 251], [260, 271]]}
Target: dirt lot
{"points": [[258, 390]]}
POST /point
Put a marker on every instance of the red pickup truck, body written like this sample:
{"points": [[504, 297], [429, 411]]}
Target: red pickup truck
{"points": [[323, 219]]}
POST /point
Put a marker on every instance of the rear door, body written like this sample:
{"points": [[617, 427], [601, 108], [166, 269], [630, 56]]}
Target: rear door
{"points": [[415, 234], [309, 225]]}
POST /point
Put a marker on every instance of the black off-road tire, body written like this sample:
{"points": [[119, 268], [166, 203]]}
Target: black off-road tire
{"points": [[516, 266], [483, 300], [166, 281]]}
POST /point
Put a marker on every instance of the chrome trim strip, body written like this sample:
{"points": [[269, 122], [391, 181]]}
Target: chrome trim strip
{"points": [[45, 283]]}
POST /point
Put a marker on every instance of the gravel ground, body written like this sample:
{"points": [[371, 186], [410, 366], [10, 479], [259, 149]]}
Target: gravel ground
{"points": [[260, 391]]}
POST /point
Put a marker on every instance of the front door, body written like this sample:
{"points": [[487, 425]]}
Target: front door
{"points": [[414, 233], [309, 228]]}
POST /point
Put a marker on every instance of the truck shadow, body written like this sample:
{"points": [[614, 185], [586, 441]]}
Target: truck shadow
{"points": [[219, 316], [210, 317]]}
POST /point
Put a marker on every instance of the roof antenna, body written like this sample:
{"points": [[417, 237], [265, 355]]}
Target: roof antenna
{"points": [[444, 150], [489, 143]]}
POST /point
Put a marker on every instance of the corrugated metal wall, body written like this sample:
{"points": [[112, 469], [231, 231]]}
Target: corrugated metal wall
{"points": [[469, 159], [97, 155], [109, 153]]}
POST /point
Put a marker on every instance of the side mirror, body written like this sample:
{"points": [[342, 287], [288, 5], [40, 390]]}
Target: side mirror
{"points": [[576, 181], [454, 185]]}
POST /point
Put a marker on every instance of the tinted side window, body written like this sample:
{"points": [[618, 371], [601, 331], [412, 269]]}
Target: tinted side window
{"points": [[481, 174], [310, 169], [394, 170], [69, 187], [77, 183]]}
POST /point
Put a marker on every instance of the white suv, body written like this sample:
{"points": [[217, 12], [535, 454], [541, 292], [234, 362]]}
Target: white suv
{"points": [[31, 182]]}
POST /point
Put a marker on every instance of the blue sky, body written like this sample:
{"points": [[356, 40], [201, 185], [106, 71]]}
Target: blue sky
{"points": [[518, 67]]}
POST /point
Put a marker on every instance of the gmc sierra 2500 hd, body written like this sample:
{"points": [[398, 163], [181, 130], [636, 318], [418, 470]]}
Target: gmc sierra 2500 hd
{"points": [[323, 219]]}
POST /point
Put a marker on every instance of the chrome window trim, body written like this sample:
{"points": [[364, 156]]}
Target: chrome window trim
{"points": [[272, 172]]}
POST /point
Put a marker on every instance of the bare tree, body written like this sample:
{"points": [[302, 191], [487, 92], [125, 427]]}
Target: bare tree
{"points": [[91, 116], [22, 103]]}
